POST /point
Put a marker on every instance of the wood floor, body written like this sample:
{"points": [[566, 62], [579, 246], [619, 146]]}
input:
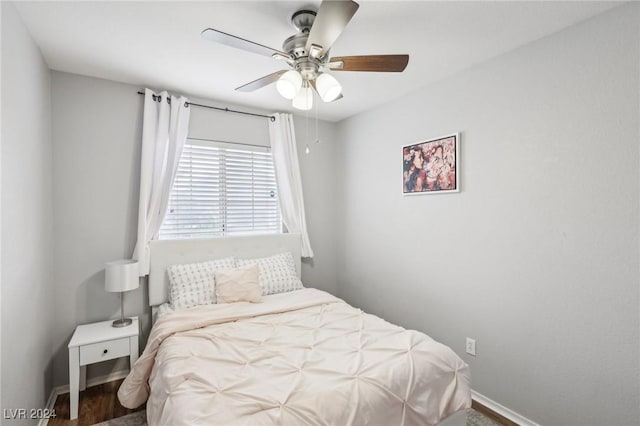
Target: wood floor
{"points": [[100, 403], [97, 404]]}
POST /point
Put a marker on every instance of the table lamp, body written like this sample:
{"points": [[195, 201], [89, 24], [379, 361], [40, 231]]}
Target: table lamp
{"points": [[121, 276]]}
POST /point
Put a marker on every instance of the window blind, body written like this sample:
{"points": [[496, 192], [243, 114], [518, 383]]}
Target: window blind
{"points": [[221, 189]]}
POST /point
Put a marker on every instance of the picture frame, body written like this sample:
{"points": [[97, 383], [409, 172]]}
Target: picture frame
{"points": [[431, 166]]}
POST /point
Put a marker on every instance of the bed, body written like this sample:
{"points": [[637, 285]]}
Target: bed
{"points": [[298, 357]]}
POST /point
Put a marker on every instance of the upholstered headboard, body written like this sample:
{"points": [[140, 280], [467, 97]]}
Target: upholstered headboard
{"points": [[165, 253]]}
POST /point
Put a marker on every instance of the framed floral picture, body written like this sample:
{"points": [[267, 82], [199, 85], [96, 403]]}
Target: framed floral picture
{"points": [[432, 166]]}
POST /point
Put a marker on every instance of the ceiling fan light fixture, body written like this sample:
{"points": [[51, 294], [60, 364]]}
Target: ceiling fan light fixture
{"points": [[304, 98], [289, 84], [328, 87]]}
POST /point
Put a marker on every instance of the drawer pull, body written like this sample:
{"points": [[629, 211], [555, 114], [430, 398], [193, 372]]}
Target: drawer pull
{"points": [[105, 351]]}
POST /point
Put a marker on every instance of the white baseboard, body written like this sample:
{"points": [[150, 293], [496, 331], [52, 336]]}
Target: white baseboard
{"points": [[51, 402], [116, 375], [502, 410]]}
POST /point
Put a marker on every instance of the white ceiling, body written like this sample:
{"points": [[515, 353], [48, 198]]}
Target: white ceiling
{"points": [[158, 44]]}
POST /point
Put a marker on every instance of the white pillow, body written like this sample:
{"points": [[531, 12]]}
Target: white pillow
{"points": [[194, 284], [164, 309], [277, 273], [238, 285]]}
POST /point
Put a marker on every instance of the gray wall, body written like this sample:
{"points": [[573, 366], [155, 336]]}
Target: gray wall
{"points": [[538, 257], [319, 186], [27, 264], [97, 127], [96, 130]]}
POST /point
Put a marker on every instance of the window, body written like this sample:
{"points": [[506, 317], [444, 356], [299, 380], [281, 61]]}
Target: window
{"points": [[222, 189]]}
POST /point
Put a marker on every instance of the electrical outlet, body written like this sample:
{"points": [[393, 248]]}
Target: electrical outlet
{"points": [[471, 346]]}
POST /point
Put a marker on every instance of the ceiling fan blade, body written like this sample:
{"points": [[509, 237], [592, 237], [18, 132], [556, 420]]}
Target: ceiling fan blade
{"points": [[240, 43], [313, 84], [261, 82], [331, 19], [379, 63]]}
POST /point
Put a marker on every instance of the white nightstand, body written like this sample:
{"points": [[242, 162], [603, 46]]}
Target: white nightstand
{"points": [[97, 342]]}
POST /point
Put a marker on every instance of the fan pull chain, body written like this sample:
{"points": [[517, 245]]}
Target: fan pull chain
{"points": [[307, 150], [317, 135], [317, 138]]}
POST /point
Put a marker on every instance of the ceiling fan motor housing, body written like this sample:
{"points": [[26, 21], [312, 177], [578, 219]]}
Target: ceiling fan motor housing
{"points": [[295, 45]]}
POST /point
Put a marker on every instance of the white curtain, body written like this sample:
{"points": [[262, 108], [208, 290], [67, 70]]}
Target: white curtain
{"points": [[287, 168], [164, 131]]}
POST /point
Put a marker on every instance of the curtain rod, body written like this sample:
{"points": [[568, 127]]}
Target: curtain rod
{"points": [[270, 117]]}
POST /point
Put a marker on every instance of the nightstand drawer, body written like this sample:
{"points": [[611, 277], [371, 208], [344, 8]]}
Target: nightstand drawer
{"points": [[103, 351]]}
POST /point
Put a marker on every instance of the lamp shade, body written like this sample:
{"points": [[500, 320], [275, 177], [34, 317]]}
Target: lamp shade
{"points": [[304, 98], [328, 87], [121, 275], [289, 84]]}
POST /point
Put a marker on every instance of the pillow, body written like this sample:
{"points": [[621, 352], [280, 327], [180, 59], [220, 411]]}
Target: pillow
{"points": [[277, 273], [163, 310], [238, 285], [193, 284]]}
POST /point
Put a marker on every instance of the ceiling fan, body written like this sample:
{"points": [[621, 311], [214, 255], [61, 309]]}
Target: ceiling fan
{"points": [[307, 54]]}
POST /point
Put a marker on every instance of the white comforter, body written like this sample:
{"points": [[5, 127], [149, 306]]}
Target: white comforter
{"points": [[303, 357]]}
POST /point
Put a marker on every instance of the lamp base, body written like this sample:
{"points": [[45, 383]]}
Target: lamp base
{"points": [[122, 322]]}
